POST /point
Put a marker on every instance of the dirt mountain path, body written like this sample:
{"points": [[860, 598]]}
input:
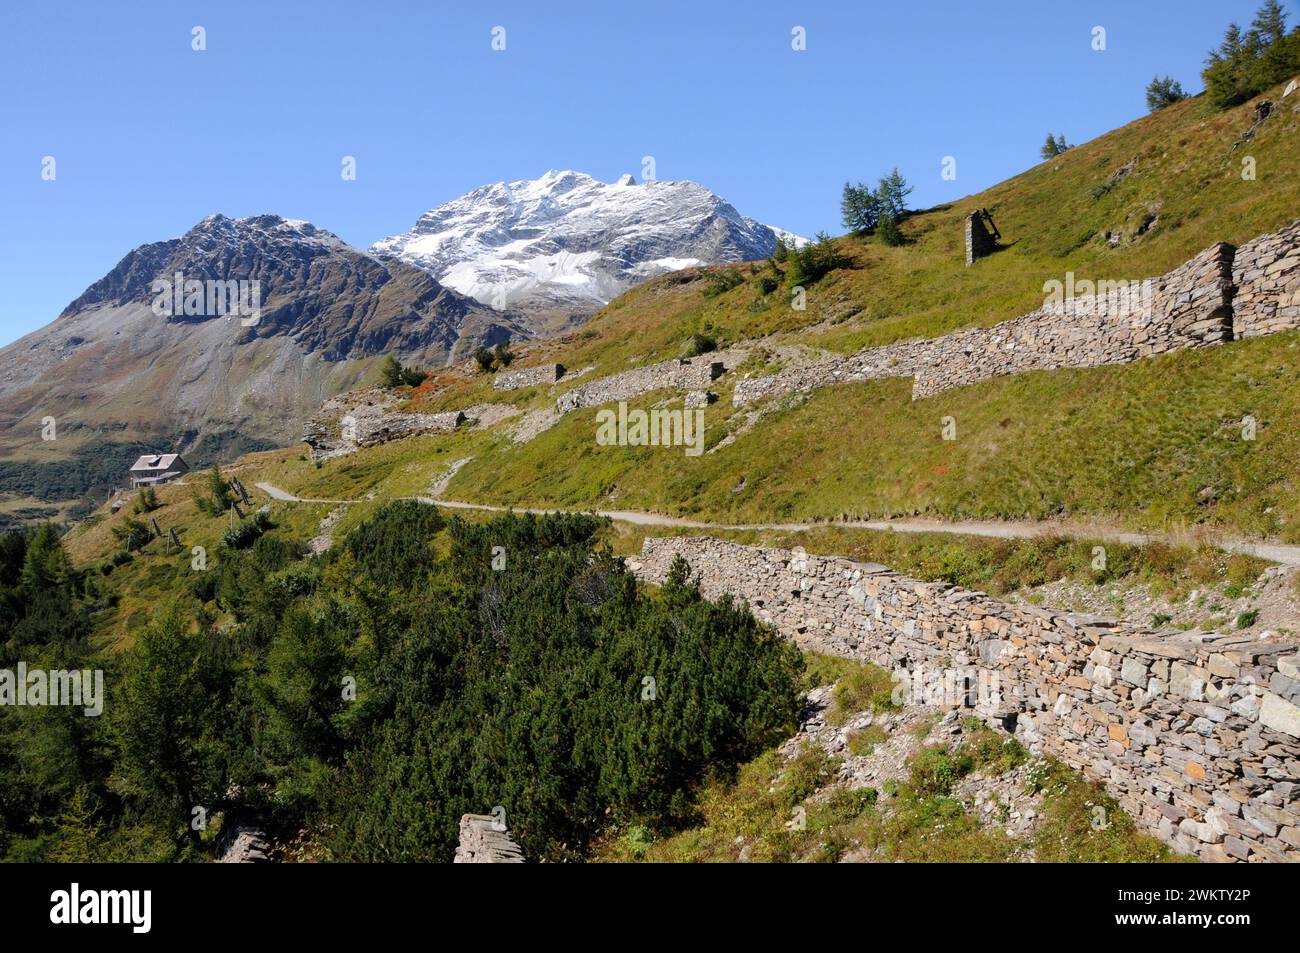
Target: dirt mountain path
{"points": [[1282, 553]]}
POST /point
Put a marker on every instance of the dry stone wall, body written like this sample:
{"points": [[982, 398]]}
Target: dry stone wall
{"points": [[1197, 736], [541, 375], [1189, 307], [361, 420], [1215, 297], [1266, 273], [367, 426], [679, 374]]}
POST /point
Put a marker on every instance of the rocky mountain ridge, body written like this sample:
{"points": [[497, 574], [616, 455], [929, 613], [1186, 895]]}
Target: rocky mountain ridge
{"points": [[271, 317]]}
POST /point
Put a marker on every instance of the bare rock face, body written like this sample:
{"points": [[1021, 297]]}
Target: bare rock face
{"points": [[481, 842]]}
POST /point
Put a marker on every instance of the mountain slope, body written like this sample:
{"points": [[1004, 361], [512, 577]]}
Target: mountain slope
{"points": [[1147, 445], [1178, 171], [566, 244], [208, 383]]}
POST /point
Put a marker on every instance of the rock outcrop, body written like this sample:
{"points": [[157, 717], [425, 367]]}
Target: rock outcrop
{"points": [[243, 842]]}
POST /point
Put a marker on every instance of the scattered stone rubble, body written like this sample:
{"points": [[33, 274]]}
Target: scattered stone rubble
{"points": [[487, 415], [1000, 801], [439, 486], [1220, 295], [698, 399], [533, 423], [324, 537], [888, 760], [481, 842], [1196, 735]]}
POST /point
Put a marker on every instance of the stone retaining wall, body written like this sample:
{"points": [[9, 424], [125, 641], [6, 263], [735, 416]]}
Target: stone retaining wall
{"points": [[1214, 297], [1197, 736], [1189, 307]]}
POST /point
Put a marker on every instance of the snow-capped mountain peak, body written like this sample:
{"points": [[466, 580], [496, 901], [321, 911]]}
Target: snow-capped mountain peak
{"points": [[565, 244]]}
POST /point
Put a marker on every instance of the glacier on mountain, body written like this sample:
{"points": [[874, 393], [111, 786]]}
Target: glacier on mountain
{"points": [[566, 244]]}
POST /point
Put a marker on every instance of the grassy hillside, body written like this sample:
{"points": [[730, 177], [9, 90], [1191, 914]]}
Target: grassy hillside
{"points": [[1150, 445], [133, 588], [1178, 172]]}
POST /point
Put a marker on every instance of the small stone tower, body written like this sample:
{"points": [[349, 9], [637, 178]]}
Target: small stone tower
{"points": [[981, 240], [483, 841]]}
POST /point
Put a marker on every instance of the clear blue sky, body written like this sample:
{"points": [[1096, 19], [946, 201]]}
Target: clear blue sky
{"points": [[150, 136]]}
